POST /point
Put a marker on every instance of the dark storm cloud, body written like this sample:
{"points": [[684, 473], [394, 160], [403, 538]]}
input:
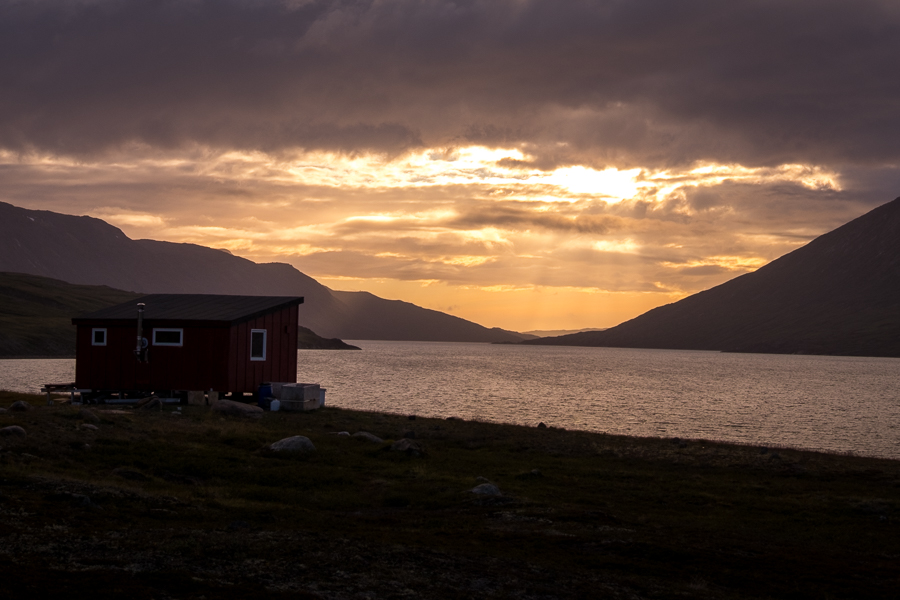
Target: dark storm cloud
{"points": [[642, 82]]}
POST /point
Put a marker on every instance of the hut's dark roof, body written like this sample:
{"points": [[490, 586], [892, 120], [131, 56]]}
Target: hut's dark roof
{"points": [[194, 307]]}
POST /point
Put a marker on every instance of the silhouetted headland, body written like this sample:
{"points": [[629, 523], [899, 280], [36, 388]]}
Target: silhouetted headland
{"points": [[839, 294]]}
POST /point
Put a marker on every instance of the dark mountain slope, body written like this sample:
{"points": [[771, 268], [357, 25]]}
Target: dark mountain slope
{"points": [[89, 251], [36, 313], [839, 294], [85, 250]]}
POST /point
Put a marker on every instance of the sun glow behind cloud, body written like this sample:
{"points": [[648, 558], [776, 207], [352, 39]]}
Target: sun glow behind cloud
{"points": [[624, 246], [449, 167], [610, 183], [476, 165]]}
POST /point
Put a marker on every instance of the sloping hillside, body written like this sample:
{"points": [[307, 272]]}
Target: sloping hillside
{"points": [[370, 313], [36, 313], [839, 294], [36, 316], [85, 250]]}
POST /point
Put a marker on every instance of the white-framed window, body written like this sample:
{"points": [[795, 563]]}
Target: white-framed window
{"points": [[167, 336], [98, 336], [258, 344]]}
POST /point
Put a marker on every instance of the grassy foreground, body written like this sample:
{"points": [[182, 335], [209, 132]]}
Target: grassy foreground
{"points": [[152, 505]]}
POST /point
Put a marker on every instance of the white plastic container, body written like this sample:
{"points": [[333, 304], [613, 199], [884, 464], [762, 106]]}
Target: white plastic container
{"points": [[274, 405]]}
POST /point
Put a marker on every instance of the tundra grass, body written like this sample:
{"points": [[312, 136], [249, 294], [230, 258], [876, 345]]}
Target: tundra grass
{"points": [[156, 504]]}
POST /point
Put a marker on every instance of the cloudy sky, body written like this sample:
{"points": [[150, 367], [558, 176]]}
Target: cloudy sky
{"points": [[529, 164]]}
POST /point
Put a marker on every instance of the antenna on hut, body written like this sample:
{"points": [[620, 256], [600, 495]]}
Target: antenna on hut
{"points": [[140, 351]]}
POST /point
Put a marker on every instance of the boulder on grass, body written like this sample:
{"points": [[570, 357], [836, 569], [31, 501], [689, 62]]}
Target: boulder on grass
{"points": [[409, 447], [19, 406], [486, 489], [12, 430], [238, 409], [297, 443], [369, 437], [87, 415]]}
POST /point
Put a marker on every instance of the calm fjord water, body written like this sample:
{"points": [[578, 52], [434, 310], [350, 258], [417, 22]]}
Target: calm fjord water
{"points": [[838, 404]]}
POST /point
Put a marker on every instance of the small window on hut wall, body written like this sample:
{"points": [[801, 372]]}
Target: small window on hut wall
{"points": [[168, 337], [98, 337], [257, 344]]}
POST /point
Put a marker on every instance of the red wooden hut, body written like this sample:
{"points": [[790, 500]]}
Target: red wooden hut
{"points": [[187, 342]]}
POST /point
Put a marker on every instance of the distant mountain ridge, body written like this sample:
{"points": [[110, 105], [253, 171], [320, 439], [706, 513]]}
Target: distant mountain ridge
{"points": [[88, 251], [839, 294]]}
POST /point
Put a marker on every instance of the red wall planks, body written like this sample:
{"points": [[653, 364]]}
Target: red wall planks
{"points": [[213, 356]]}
